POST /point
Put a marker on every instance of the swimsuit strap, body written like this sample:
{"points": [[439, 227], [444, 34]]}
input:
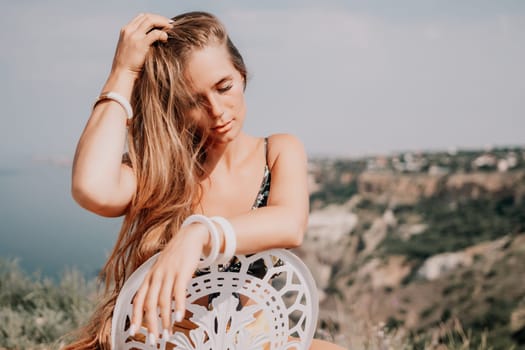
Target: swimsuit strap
{"points": [[264, 190], [266, 149]]}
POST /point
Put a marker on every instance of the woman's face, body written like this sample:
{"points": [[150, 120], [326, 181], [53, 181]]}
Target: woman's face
{"points": [[218, 89]]}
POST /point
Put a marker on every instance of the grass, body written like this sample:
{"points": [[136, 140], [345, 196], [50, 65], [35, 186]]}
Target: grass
{"points": [[35, 312]]}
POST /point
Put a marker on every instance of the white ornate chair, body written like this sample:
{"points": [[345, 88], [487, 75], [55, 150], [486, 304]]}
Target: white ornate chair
{"points": [[276, 311]]}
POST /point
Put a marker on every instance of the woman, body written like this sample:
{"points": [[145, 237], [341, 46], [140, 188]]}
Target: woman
{"points": [[187, 154]]}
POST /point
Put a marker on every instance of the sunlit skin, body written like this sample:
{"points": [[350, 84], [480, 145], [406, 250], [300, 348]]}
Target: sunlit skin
{"points": [[234, 170], [219, 89]]}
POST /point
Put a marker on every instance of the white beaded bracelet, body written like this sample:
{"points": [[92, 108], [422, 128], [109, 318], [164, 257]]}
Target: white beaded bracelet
{"points": [[230, 241], [121, 100], [214, 238]]}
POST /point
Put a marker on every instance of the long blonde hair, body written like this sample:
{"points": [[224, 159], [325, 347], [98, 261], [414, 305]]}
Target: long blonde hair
{"points": [[166, 152]]}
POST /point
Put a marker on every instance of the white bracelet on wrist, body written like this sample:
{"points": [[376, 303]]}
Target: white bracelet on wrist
{"points": [[121, 100], [214, 238], [230, 241]]}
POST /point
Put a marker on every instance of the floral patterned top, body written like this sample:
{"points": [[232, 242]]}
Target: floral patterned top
{"points": [[262, 197]]}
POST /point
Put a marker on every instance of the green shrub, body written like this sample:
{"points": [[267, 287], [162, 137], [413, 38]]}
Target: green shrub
{"points": [[455, 227], [35, 312], [428, 311]]}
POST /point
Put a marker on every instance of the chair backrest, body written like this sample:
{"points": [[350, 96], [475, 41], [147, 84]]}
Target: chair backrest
{"points": [[277, 309]]}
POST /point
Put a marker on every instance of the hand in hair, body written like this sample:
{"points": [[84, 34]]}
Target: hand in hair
{"points": [[168, 278], [135, 40]]}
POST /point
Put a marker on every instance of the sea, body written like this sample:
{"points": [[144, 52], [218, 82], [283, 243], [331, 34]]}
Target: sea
{"points": [[43, 228]]}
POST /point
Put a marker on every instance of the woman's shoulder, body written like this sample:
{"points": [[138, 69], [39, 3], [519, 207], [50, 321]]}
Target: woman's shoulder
{"points": [[285, 142], [284, 146], [284, 138]]}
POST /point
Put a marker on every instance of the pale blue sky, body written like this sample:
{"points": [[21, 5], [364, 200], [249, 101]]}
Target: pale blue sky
{"points": [[347, 77]]}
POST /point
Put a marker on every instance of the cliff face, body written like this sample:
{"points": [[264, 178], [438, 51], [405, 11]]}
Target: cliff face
{"points": [[416, 251], [398, 188], [403, 189]]}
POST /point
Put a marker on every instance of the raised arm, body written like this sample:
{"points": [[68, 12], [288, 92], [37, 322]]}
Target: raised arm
{"points": [[101, 183]]}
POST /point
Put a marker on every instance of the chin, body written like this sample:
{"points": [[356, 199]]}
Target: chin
{"points": [[227, 136]]}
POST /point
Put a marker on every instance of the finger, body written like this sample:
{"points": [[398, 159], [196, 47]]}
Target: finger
{"points": [[165, 297], [138, 309], [134, 23], [156, 34], [150, 21], [179, 292], [137, 18], [151, 310]]}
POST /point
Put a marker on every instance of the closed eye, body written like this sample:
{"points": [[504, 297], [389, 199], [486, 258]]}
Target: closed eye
{"points": [[224, 89]]}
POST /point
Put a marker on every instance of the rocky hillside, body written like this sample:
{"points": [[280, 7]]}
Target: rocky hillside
{"points": [[419, 244], [412, 251]]}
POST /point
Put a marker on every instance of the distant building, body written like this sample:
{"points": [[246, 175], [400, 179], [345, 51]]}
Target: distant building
{"points": [[377, 163], [503, 165], [485, 161]]}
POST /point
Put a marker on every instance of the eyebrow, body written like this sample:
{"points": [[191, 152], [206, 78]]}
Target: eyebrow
{"points": [[228, 77]]}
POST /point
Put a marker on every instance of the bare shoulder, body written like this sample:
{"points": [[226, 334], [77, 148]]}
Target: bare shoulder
{"points": [[288, 166], [284, 146]]}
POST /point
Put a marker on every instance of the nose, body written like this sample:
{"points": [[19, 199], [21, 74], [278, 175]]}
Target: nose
{"points": [[215, 108]]}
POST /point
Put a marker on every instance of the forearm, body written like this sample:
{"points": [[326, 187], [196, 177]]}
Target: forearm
{"points": [[97, 167], [282, 223], [269, 227]]}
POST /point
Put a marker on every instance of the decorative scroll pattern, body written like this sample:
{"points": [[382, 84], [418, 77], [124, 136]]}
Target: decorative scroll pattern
{"points": [[233, 310]]}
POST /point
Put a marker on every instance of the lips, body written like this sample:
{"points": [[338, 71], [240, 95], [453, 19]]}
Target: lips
{"points": [[223, 127]]}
